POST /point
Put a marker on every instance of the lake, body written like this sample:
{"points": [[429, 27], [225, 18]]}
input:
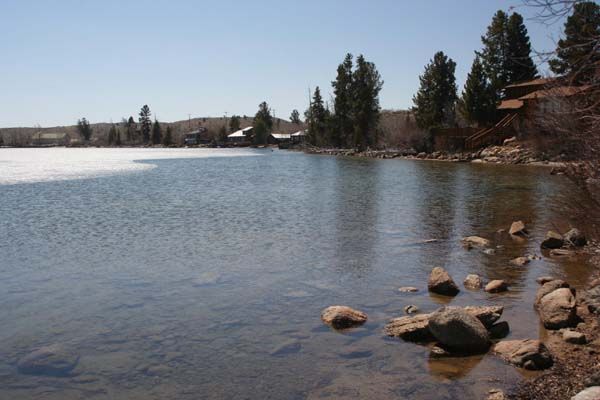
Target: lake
{"points": [[200, 273]]}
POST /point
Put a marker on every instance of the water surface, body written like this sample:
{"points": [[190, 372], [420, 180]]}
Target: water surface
{"points": [[201, 273]]}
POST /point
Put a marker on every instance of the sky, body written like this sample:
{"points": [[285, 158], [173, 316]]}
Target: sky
{"points": [[66, 59]]}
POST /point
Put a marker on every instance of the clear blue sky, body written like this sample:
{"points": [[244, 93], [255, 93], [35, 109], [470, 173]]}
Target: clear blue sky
{"points": [[104, 59]]}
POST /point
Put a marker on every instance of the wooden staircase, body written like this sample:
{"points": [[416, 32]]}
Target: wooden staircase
{"points": [[494, 135]]}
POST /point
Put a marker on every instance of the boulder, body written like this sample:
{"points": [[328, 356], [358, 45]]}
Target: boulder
{"points": [[574, 337], [458, 330], [520, 261], [591, 393], [591, 298], [496, 286], [487, 315], [557, 309], [548, 288], [496, 394], [528, 353], [408, 289], [53, 360], [553, 240], [476, 241], [518, 228], [340, 317], [412, 329], [441, 283], [575, 238], [473, 282], [561, 253], [499, 330]]}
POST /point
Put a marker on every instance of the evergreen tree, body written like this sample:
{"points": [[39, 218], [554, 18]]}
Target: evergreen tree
{"points": [[145, 123], [478, 101], [295, 117], [434, 103], [264, 114], [317, 119], [84, 129], [495, 53], [234, 123], [366, 85], [222, 134], [520, 65], [343, 103], [168, 138], [112, 135], [129, 129], [118, 137], [156, 133], [578, 53], [261, 131]]}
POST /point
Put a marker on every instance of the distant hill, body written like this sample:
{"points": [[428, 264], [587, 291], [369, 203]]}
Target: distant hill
{"points": [[397, 129]]}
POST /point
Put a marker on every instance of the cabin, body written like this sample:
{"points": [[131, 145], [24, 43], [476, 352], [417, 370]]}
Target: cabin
{"points": [[199, 136], [241, 137], [521, 106], [278, 138], [50, 139], [298, 137]]}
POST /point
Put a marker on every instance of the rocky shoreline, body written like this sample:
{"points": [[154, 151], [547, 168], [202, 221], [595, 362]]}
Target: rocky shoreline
{"points": [[568, 353], [510, 152]]}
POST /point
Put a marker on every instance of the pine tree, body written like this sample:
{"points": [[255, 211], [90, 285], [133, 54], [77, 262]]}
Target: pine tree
{"points": [[84, 129], [343, 103], [234, 123], [168, 138], [264, 114], [145, 123], [366, 85], [578, 51], [478, 101], [495, 53], [118, 137], [130, 128], [434, 103], [520, 65], [295, 117], [260, 131], [112, 133], [156, 133], [317, 119]]}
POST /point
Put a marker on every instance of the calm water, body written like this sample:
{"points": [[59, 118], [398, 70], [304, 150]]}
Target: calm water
{"points": [[201, 274]]}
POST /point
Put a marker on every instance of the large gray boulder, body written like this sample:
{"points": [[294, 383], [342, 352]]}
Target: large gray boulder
{"points": [[458, 330], [558, 309], [340, 317], [548, 288], [528, 353], [412, 329], [440, 282], [53, 360]]}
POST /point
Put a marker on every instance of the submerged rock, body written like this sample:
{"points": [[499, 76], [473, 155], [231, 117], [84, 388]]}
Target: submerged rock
{"points": [[440, 282], [518, 228], [575, 238], [412, 329], [544, 279], [520, 261], [411, 309], [340, 317], [553, 240], [289, 347], [496, 286], [473, 282], [476, 241], [53, 360], [528, 353], [557, 309], [458, 330], [408, 289]]}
